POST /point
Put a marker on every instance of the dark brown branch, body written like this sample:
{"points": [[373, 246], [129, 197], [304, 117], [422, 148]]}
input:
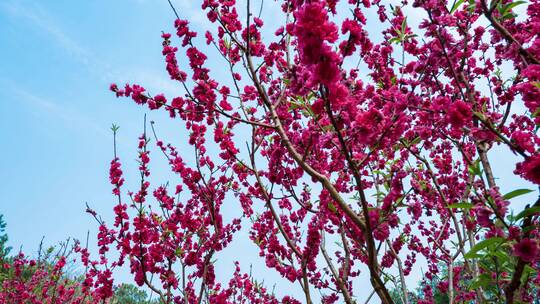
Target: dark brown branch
{"points": [[515, 283]]}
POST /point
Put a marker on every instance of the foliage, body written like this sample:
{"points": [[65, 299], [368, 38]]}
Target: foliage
{"points": [[45, 280], [4, 248], [48, 279], [426, 289], [131, 294]]}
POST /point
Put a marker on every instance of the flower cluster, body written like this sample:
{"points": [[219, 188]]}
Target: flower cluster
{"points": [[43, 281]]}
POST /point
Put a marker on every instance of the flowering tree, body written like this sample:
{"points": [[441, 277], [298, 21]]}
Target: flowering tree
{"points": [[330, 132], [44, 280]]}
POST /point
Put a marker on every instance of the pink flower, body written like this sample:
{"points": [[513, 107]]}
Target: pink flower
{"points": [[530, 169], [526, 249], [459, 114], [483, 215], [157, 102], [381, 232], [209, 38], [367, 125]]}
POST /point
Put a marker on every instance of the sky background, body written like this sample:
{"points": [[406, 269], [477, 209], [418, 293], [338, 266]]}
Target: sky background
{"points": [[57, 60], [56, 63]]}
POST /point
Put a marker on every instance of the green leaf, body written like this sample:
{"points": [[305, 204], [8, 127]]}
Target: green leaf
{"points": [[399, 200], [502, 256], [475, 168], [460, 206], [404, 25], [504, 9], [527, 212], [456, 5], [227, 43], [514, 4], [332, 208], [472, 6], [537, 112], [473, 253], [516, 193], [416, 141], [481, 281]]}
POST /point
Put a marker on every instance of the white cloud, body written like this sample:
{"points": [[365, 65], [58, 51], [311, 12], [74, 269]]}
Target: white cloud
{"points": [[36, 16], [43, 22], [40, 105]]}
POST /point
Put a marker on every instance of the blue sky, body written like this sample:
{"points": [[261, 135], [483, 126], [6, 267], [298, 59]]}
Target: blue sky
{"points": [[57, 60]]}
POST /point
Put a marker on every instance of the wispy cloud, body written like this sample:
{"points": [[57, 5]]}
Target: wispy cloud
{"points": [[34, 15], [37, 17], [179, 4], [40, 105], [42, 21]]}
